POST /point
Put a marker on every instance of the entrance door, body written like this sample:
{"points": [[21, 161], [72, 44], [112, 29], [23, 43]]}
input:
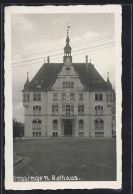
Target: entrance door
{"points": [[68, 128]]}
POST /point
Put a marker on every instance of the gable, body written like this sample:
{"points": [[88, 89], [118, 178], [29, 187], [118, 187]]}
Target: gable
{"points": [[68, 75]]}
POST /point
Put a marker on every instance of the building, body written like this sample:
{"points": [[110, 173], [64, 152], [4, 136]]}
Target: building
{"points": [[68, 99]]}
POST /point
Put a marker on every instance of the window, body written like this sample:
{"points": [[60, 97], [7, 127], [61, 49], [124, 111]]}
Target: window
{"points": [[68, 68], [80, 110], [37, 97], [36, 134], [55, 134], [80, 96], [68, 84], [81, 124], [72, 96], [55, 110], [39, 83], [36, 110], [81, 134], [55, 125], [55, 97], [63, 96], [98, 110], [37, 124], [25, 97], [68, 110], [98, 97], [99, 134], [99, 124]]}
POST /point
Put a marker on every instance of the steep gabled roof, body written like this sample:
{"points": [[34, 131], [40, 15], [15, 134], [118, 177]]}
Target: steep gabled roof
{"points": [[90, 76], [87, 74]]}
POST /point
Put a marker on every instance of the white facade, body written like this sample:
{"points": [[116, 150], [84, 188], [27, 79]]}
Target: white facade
{"points": [[67, 107]]}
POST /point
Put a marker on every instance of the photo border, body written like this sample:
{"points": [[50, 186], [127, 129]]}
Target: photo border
{"points": [[126, 103]]}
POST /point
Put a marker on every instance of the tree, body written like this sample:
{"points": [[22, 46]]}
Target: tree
{"points": [[18, 128]]}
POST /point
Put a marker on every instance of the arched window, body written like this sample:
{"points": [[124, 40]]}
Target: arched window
{"points": [[99, 110], [80, 110], [54, 110], [55, 125], [37, 124], [99, 124], [36, 110], [81, 124]]}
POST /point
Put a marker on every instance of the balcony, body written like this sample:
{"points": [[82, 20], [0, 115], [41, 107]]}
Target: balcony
{"points": [[72, 117]]}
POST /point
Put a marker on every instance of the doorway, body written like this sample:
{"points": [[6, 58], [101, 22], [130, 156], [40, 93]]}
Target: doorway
{"points": [[67, 128]]}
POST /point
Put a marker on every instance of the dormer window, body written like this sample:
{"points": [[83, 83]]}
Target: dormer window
{"points": [[39, 83], [68, 68]]}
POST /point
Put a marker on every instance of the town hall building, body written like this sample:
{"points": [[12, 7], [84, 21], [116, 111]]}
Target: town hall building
{"points": [[68, 99]]}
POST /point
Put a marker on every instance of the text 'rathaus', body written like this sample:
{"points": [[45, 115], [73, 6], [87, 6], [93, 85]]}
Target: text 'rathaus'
{"points": [[69, 99]]}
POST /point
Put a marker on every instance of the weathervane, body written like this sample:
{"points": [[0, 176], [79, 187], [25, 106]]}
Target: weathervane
{"points": [[67, 28]]}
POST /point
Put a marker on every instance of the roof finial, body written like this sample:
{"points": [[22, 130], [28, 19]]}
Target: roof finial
{"points": [[107, 75], [90, 60]]}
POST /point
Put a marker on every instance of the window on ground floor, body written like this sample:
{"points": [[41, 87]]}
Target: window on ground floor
{"points": [[36, 134], [81, 125], [99, 134], [81, 134], [55, 125], [55, 134]]}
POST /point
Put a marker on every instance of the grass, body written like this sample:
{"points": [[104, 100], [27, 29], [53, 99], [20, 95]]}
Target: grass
{"points": [[89, 159]]}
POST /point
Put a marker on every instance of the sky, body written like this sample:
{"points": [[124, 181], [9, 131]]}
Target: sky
{"points": [[36, 36]]}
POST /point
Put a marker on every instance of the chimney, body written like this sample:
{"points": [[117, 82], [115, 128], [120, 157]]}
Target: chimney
{"points": [[48, 59], [86, 62]]}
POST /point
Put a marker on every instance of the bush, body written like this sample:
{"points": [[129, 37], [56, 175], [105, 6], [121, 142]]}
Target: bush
{"points": [[18, 129]]}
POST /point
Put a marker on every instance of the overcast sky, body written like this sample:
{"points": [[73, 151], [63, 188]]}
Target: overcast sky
{"points": [[36, 36]]}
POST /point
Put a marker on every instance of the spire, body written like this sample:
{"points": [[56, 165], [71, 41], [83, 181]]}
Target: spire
{"points": [[109, 85], [107, 75], [27, 83], [67, 48]]}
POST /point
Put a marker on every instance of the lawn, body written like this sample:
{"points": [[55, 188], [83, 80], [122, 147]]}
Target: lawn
{"points": [[88, 159]]}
